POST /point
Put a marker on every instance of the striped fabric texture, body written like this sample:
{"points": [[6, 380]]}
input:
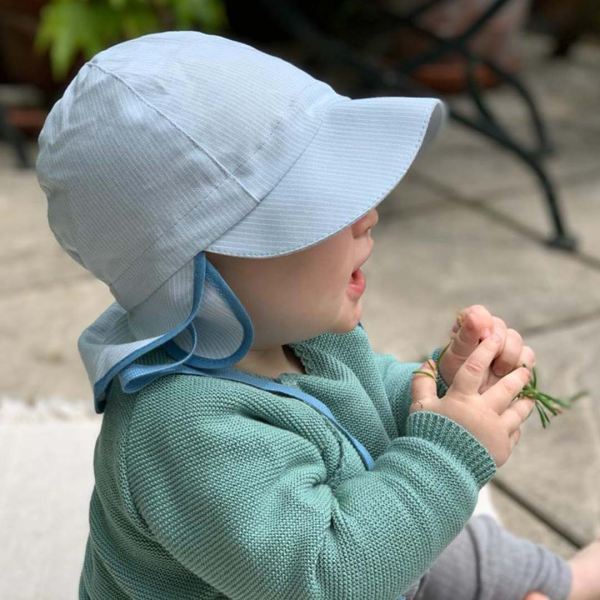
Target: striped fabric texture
{"points": [[209, 488], [179, 142]]}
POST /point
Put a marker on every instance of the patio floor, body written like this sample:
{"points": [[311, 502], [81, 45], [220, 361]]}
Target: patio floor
{"points": [[464, 227]]}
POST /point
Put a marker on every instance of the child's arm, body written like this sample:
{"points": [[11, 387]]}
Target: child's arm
{"points": [[253, 508]]}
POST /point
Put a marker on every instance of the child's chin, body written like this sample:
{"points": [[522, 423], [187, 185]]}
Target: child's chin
{"points": [[347, 324]]}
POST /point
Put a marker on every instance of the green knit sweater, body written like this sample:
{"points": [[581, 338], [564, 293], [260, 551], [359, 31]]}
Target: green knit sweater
{"points": [[211, 488]]}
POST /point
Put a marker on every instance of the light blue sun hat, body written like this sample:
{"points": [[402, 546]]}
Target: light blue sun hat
{"points": [[176, 143]]}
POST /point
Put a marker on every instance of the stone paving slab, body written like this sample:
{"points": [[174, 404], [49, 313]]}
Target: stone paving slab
{"points": [[27, 238], [39, 329], [567, 93], [567, 87], [559, 467], [468, 164], [523, 524], [410, 196], [426, 267], [46, 477], [581, 204]]}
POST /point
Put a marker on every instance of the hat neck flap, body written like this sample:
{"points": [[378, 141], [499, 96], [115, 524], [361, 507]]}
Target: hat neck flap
{"points": [[210, 335]]}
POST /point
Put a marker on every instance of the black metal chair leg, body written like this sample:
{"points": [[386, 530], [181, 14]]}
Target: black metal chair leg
{"points": [[561, 238], [374, 75], [15, 138], [543, 145]]}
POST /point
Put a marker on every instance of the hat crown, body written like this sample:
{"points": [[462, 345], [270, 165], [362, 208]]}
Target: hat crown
{"points": [[225, 95], [163, 129]]}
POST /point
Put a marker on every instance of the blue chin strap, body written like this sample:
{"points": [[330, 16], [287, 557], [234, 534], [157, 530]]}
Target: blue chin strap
{"points": [[133, 377]]}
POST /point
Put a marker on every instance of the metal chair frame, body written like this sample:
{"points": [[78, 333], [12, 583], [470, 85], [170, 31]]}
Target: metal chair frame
{"points": [[375, 75]]}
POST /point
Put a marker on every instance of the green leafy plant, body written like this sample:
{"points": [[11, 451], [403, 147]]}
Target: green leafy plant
{"points": [[68, 27], [544, 403]]}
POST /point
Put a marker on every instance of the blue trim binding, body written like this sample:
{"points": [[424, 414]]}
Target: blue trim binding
{"points": [[270, 386], [137, 376], [133, 377]]}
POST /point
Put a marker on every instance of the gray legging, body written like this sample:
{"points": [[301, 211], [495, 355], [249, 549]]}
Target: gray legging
{"points": [[486, 562]]}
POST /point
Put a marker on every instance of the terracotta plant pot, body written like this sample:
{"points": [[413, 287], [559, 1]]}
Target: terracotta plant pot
{"points": [[495, 41]]}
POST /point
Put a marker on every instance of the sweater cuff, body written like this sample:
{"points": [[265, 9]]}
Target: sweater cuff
{"points": [[442, 386], [456, 440]]}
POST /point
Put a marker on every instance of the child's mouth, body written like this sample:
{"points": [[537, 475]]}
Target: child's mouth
{"points": [[357, 283]]}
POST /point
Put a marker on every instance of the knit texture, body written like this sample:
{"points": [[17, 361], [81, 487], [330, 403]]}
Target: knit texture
{"points": [[211, 488], [487, 562]]}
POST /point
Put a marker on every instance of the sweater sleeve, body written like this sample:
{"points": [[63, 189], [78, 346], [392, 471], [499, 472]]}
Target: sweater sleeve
{"points": [[397, 379], [247, 506]]}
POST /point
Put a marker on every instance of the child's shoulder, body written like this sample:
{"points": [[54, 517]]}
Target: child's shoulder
{"points": [[183, 394], [176, 392]]}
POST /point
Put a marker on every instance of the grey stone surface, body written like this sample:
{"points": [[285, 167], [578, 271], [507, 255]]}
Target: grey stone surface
{"points": [[38, 339], [522, 523], [467, 164], [411, 196], [46, 298], [567, 88], [27, 239], [426, 267], [47, 479], [559, 467], [580, 207], [567, 93]]}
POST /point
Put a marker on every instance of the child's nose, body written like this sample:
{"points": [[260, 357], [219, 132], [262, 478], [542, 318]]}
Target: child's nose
{"points": [[375, 217], [367, 222]]}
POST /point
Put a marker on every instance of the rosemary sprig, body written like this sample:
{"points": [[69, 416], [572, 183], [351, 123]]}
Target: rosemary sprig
{"points": [[433, 364], [544, 403]]}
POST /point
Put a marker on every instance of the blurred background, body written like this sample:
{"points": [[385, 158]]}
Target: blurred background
{"points": [[503, 210]]}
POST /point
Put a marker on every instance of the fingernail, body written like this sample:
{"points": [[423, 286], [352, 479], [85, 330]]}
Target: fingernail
{"points": [[500, 371], [497, 337]]}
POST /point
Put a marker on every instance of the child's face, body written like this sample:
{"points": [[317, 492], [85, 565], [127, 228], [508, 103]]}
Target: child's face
{"points": [[301, 295]]}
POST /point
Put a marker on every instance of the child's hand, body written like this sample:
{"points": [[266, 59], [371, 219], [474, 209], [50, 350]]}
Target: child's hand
{"points": [[474, 324], [492, 417]]}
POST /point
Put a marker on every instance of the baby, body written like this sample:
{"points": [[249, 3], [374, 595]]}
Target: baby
{"points": [[253, 446]]}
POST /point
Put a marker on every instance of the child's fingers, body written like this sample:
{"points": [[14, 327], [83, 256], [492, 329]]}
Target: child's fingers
{"points": [[517, 413], [509, 355], [476, 322], [471, 374], [424, 386], [527, 357], [514, 438], [504, 391], [536, 596]]}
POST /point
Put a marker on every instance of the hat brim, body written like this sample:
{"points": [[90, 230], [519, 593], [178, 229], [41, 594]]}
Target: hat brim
{"points": [[361, 151]]}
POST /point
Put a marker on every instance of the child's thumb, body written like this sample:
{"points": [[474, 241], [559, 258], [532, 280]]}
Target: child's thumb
{"points": [[423, 386], [536, 596]]}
